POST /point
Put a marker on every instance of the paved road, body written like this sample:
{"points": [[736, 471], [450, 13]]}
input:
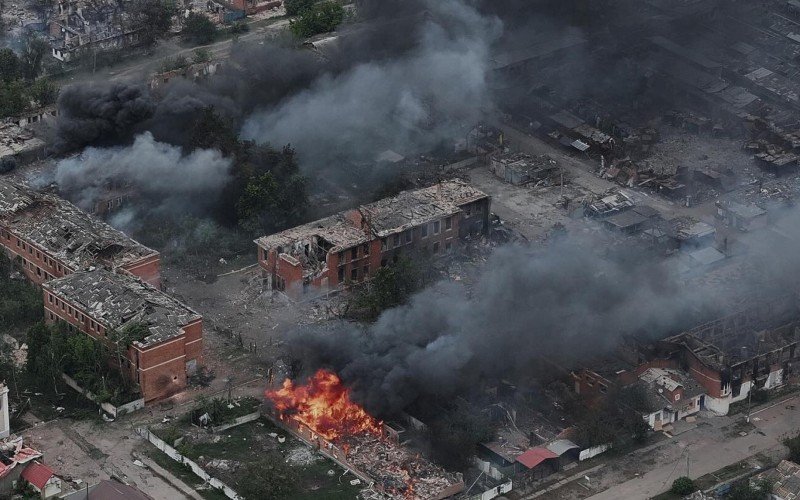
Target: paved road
{"points": [[710, 448], [140, 68]]}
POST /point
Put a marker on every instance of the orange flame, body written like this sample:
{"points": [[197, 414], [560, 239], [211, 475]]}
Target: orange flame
{"points": [[323, 404]]}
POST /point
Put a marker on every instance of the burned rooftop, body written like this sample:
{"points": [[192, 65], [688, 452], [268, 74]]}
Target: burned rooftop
{"points": [[121, 300], [64, 231]]}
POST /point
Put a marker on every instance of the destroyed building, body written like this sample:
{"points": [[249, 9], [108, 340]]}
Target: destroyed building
{"points": [[351, 246], [520, 168], [78, 26], [52, 238], [753, 349], [99, 303]]}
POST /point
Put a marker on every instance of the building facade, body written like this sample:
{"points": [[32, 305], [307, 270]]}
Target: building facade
{"points": [[351, 246], [100, 302], [51, 238]]}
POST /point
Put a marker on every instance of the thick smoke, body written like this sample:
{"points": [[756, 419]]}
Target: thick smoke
{"points": [[162, 177], [409, 103], [558, 305], [100, 113]]}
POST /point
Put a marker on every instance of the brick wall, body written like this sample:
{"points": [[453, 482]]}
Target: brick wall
{"points": [[160, 370], [37, 264], [147, 269]]}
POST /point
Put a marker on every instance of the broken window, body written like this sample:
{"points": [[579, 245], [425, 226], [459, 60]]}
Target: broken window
{"points": [[448, 246], [354, 274], [468, 209], [365, 249], [436, 227], [354, 253], [341, 274], [408, 236], [424, 230], [397, 240], [448, 223], [365, 271], [436, 247]]}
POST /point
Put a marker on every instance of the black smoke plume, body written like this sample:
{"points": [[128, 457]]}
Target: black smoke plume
{"points": [[559, 305]]}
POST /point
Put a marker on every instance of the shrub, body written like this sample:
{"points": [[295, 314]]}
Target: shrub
{"points": [[683, 486]]}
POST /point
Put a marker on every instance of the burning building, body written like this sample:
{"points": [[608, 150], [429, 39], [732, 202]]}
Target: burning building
{"points": [[322, 414], [52, 238], [351, 246], [100, 302]]}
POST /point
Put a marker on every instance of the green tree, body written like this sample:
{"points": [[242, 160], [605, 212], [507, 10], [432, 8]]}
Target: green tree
{"points": [[44, 92], [683, 486], [152, 17], [13, 98], [746, 490], [201, 56], [199, 29], [259, 196], [9, 66], [794, 448], [321, 17], [32, 55], [295, 7], [391, 286], [47, 355]]}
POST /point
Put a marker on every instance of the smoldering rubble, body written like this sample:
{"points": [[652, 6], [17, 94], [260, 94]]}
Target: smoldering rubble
{"points": [[560, 304]]}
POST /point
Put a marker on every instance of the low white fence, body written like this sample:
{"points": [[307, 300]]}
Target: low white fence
{"points": [[198, 471], [250, 417], [114, 411], [593, 452]]}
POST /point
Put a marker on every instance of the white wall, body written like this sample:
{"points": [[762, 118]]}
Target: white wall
{"points": [[5, 423]]}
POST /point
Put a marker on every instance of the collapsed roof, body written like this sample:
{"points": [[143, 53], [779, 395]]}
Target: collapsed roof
{"points": [[120, 300], [64, 231]]}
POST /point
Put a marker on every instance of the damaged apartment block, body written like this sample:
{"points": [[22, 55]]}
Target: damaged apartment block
{"points": [[100, 302], [52, 238], [351, 246]]}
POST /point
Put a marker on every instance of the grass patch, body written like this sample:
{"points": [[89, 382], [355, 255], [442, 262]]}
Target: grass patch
{"points": [[183, 473], [251, 443]]}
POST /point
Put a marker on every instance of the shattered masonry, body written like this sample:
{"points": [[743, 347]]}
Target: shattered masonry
{"points": [[350, 246], [54, 238]]}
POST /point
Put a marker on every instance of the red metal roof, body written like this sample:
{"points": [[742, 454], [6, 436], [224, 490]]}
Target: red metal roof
{"points": [[37, 474], [22, 454], [535, 456]]}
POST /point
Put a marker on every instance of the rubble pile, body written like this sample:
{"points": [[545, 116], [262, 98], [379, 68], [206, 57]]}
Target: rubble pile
{"points": [[398, 471]]}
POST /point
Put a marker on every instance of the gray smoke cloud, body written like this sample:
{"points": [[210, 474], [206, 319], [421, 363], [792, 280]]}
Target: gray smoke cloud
{"points": [[163, 177], [561, 304], [409, 103]]}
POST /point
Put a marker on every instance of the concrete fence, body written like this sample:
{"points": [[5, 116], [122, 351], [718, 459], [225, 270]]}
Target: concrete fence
{"points": [[245, 419], [114, 411], [593, 452], [198, 471]]}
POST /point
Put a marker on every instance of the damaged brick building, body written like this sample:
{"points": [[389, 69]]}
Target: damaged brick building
{"points": [[100, 302], [52, 238], [752, 349], [351, 246]]}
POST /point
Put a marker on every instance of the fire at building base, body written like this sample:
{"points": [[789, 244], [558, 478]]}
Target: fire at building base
{"points": [[322, 414]]}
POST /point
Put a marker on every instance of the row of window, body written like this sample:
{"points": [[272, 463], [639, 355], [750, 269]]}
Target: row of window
{"points": [[354, 253], [34, 251], [74, 313], [355, 273]]}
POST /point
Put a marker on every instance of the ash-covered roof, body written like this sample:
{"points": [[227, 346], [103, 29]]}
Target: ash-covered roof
{"points": [[379, 219], [337, 230], [412, 208], [66, 232], [657, 380], [118, 300]]}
